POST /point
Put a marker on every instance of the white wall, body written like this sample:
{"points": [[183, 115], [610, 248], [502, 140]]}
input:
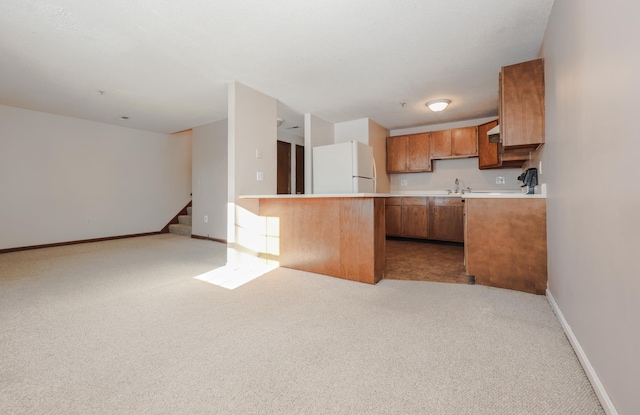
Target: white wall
{"points": [[317, 132], [64, 179], [445, 172], [252, 126], [210, 180], [592, 87], [352, 130]]}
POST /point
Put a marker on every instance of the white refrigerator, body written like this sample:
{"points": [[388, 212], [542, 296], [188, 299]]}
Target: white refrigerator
{"points": [[344, 168]]}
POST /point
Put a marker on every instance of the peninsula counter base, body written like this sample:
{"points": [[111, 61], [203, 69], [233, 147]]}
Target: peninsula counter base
{"points": [[342, 237]]}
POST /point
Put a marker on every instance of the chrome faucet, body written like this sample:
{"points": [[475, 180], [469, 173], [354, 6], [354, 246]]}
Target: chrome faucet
{"points": [[457, 186]]}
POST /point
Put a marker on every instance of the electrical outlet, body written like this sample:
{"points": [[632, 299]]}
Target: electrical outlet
{"points": [[206, 218], [500, 180], [260, 176], [540, 167], [403, 182]]}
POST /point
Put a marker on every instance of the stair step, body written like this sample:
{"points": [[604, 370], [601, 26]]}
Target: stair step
{"points": [[185, 219], [189, 210], [180, 229]]}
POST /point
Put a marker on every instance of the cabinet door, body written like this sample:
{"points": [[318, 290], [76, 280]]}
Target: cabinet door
{"points": [[488, 153], [397, 154], [446, 219], [440, 144], [418, 157], [414, 217], [393, 220], [522, 104], [464, 142]]}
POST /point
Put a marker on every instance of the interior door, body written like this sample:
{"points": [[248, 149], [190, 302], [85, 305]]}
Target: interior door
{"points": [[284, 168], [299, 169]]}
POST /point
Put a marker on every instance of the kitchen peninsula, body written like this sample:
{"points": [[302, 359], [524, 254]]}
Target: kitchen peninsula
{"points": [[344, 235], [341, 235]]}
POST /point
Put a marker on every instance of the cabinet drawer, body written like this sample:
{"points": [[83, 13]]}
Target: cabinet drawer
{"points": [[448, 201], [414, 201], [394, 201]]}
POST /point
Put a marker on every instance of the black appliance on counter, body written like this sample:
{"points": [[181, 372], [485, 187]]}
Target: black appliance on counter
{"points": [[529, 178]]}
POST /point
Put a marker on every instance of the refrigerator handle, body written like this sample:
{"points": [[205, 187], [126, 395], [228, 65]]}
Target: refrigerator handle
{"points": [[375, 176]]}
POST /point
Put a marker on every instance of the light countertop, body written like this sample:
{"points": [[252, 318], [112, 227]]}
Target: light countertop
{"points": [[541, 193], [315, 196]]}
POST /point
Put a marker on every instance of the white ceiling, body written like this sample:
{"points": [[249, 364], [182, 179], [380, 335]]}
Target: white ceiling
{"points": [[167, 64]]}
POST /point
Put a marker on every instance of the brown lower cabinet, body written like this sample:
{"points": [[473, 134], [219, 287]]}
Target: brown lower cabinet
{"points": [[414, 217], [506, 243], [446, 219], [393, 216], [438, 218], [406, 216]]}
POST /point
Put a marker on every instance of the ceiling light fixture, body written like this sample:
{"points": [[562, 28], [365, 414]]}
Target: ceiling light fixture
{"points": [[438, 104]]}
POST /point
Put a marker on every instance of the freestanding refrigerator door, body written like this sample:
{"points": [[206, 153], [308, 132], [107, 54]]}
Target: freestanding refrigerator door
{"points": [[363, 185], [362, 160], [332, 169]]}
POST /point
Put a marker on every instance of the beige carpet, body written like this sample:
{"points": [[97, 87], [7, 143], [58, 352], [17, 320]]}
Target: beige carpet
{"points": [[124, 327]]}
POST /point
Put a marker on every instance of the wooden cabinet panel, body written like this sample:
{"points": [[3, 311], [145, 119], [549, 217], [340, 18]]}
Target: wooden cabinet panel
{"points": [[454, 143], [414, 221], [446, 219], [418, 157], [414, 201], [440, 144], [464, 142], [522, 104], [341, 237], [397, 201], [397, 154], [488, 153], [438, 218], [506, 243], [406, 216], [408, 153], [393, 220]]}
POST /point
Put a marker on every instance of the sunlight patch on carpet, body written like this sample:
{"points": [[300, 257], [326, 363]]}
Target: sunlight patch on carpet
{"points": [[240, 269]]}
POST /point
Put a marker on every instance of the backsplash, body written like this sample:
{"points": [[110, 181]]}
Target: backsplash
{"points": [[445, 172]]}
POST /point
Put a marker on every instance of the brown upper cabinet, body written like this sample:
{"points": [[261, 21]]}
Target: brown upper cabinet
{"points": [[408, 153], [521, 117], [455, 143], [521, 105], [488, 153]]}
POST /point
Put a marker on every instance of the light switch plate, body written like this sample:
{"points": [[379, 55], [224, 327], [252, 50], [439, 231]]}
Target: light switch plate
{"points": [[260, 176], [500, 180], [403, 183]]}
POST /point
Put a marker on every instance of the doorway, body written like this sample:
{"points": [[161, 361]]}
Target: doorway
{"points": [[284, 168], [299, 169]]}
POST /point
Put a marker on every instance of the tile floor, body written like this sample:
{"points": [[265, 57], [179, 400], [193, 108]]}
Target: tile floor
{"points": [[419, 260]]}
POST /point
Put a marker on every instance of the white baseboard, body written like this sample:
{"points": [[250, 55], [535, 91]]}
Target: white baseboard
{"points": [[598, 387]]}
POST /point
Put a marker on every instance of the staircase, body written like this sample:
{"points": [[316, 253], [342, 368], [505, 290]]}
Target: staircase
{"points": [[183, 227]]}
